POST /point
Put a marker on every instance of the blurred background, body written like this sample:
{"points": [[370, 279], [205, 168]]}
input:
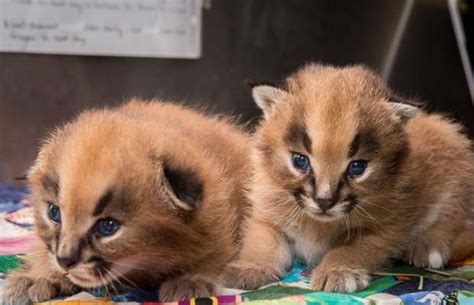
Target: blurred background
{"points": [[412, 44]]}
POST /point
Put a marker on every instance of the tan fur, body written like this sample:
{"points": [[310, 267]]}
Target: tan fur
{"points": [[411, 202], [125, 150]]}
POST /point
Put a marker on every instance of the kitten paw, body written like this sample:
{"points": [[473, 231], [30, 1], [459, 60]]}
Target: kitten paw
{"points": [[16, 290], [339, 279], [249, 276], [183, 288], [427, 256], [24, 290], [21, 289]]}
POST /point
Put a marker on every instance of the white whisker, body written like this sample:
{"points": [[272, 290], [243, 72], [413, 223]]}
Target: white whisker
{"points": [[370, 217], [118, 276], [376, 205], [107, 294]]}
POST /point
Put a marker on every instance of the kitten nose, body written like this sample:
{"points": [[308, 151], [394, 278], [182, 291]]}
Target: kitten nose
{"points": [[325, 204], [68, 262]]}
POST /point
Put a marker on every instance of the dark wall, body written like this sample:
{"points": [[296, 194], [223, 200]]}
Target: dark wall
{"points": [[257, 40], [428, 64]]}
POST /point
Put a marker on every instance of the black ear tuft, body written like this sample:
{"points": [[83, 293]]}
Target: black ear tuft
{"points": [[185, 184]]}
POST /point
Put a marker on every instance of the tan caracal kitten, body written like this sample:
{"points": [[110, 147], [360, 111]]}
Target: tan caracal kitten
{"points": [[141, 195], [348, 177]]}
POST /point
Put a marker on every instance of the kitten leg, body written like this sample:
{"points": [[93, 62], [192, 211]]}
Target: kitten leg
{"points": [[200, 281], [265, 256], [36, 282], [433, 248], [346, 268]]}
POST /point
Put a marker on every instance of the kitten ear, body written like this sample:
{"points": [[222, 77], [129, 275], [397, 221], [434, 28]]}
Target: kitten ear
{"points": [[267, 96], [403, 108], [186, 187]]}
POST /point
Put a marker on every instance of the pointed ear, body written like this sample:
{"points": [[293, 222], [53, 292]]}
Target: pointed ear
{"points": [[403, 108], [186, 188], [267, 96]]}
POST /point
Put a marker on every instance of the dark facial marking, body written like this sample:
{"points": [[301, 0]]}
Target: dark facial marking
{"points": [[102, 204], [101, 266], [297, 136], [82, 244], [76, 251], [87, 240], [337, 193], [297, 195], [73, 257], [185, 183], [312, 181], [57, 237], [50, 185], [352, 203], [364, 142], [354, 147], [94, 259], [396, 160]]}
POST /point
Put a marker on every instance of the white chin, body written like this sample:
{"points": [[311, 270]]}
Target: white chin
{"points": [[324, 217]]}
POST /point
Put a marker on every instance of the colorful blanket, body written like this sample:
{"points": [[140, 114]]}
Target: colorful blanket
{"points": [[402, 285]]}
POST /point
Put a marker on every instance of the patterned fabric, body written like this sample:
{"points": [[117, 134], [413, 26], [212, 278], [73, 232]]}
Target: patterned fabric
{"points": [[402, 285]]}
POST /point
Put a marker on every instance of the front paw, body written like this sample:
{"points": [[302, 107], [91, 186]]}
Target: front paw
{"points": [[246, 276], [183, 288], [422, 255], [339, 279], [24, 290]]}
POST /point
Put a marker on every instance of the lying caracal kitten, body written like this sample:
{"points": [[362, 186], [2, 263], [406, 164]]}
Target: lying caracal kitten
{"points": [[144, 194]]}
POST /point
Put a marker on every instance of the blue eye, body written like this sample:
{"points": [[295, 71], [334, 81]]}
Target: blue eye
{"points": [[356, 168], [54, 213], [300, 162], [107, 226]]}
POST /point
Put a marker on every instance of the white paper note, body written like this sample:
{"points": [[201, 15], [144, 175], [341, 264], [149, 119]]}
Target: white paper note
{"points": [[145, 28]]}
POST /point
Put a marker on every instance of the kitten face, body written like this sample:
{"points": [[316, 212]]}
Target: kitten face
{"points": [[84, 244], [330, 141], [110, 208]]}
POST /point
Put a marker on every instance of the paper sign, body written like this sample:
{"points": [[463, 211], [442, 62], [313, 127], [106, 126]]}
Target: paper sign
{"points": [[148, 28]]}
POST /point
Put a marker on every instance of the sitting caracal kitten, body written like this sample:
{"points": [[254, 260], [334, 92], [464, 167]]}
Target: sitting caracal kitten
{"points": [[144, 194], [347, 178]]}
